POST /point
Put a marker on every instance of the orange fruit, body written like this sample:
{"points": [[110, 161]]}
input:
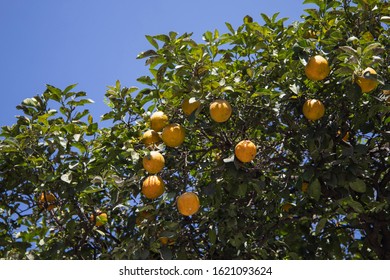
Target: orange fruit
{"points": [[153, 186], [287, 206], [245, 151], [313, 109], [188, 107], [173, 135], [386, 91], [367, 85], [47, 201], [150, 137], [305, 186], [153, 162], [188, 203], [317, 68], [220, 110], [158, 120], [166, 240], [100, 220]]}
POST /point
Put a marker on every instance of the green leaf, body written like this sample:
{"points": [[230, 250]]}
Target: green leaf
{"points": [[374, 47], [320, 226], [82, 102], [242, 188], [69, 88], [93, 190], [295, 88], [266, 19], [358, 185], [30, 102], [212, 236], [349, 50], [79, 146], [163, 38], [152, 41], [356, 206], [92, 128], [82, 114], [172, 35], [315, 189], [146, 54], [56, 92], [385, 19], [134, 156], [97, 180], [145, 80], [230, 27], [208, 36], [248, 19], [67, 177]]}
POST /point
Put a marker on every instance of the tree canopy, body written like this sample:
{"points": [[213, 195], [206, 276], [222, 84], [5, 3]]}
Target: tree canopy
{"points": [[73, 188]]}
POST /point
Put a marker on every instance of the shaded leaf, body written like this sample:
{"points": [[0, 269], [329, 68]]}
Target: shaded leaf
{"points": [[320, 226], [315, 189], [358, 185]]}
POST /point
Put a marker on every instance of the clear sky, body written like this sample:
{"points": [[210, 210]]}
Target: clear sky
{"points": [[95, 42]]}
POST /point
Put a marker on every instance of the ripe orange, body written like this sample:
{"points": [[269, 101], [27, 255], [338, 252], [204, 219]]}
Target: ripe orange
{"points": [[150, 137], [386, 91], [173, 135], [101, 218], [158, 120], [153, 162], [188, 107], [313, 109], [47, 201], [220, 110], [188, 203], [245, 151], [365, 84], [164, 240], [287, 206], [153, 186], [317, 68], [305, 186]]}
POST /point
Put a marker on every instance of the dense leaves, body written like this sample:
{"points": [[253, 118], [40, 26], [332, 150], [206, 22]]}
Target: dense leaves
{"points": [[56, 146]]}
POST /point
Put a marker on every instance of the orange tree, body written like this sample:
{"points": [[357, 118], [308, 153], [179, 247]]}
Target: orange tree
{"points": [[310, 188]]}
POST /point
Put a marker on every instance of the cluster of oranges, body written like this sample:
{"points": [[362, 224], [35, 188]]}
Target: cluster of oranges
{"points": [[220, 110], [318, 69], [172, 135]]}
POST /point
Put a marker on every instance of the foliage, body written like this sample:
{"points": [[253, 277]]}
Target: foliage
{"points": [[259, 69]]}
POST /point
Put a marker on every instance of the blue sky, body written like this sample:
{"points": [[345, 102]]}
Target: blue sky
{"points": [[95, 42]]}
